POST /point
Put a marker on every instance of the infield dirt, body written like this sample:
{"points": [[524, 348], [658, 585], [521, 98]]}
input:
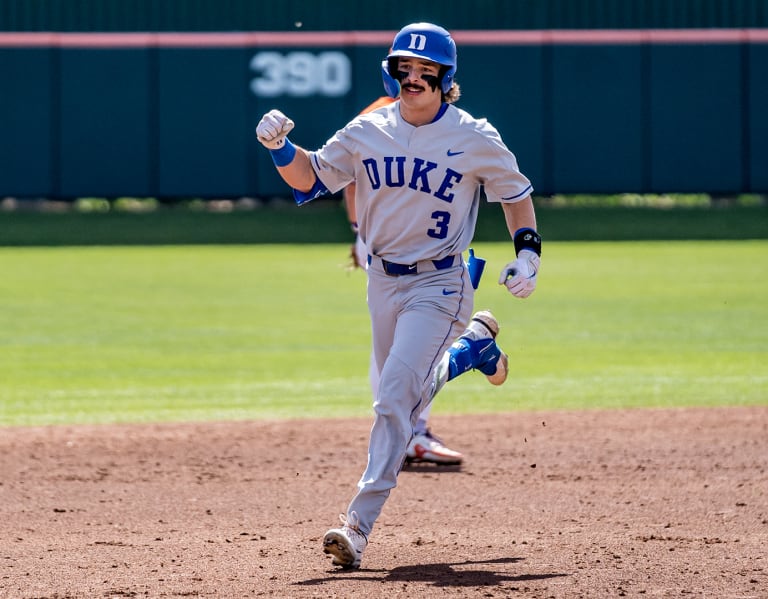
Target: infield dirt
{"points": [[645, 503]]}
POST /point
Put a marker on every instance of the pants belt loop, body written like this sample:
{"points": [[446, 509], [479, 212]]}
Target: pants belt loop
{"points": [[444, 263]]}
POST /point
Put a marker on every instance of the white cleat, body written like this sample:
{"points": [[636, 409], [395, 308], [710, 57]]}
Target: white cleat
{"points": [[345, 544]]}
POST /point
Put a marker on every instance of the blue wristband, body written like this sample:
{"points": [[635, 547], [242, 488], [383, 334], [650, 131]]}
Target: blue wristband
{"points": [[283, 156]]}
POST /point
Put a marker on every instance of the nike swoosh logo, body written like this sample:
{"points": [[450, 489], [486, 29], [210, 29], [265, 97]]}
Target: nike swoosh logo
{"points": [[412, 266], [454, 153], [449, 292]]}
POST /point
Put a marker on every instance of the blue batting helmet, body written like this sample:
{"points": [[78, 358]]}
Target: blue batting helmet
{"points": [[421, 40]]}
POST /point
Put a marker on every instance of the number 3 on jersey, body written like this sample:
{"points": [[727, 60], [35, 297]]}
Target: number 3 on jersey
{"points": [[442, 219]]}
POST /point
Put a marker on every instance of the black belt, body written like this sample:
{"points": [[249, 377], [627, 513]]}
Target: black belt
{"points": [[395, 270]]}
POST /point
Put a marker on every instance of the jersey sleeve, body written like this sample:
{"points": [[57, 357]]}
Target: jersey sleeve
{"points": [[501, 176], [333, 163]]}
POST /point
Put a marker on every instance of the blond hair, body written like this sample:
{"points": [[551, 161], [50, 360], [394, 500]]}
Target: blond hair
{"points": [[453, 94]]}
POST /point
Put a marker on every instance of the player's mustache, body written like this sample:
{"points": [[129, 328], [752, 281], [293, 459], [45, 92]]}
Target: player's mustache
{"points": [[431, 80]]}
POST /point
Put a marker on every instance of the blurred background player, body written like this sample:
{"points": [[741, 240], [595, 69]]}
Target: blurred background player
{"points": [[425, 446]]}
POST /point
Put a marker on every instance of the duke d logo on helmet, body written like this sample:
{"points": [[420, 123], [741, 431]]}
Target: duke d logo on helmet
{"points": [[418, 41]]}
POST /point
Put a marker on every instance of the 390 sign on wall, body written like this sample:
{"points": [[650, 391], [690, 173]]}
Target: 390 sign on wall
{"points": [[300, 74]]}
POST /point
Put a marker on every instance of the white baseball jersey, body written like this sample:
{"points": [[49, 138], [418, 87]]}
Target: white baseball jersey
{"points": [[418, 188]]}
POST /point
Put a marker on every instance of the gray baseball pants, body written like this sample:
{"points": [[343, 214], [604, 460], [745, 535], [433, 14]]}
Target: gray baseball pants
{"points": [[414, 319]]}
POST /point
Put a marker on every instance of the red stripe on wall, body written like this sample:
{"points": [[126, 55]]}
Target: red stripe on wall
{"points": [[612, 36], [380, 38], [197, 40]]}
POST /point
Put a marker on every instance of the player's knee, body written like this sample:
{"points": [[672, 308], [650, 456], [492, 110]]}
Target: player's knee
{"points": [[399, 392]]}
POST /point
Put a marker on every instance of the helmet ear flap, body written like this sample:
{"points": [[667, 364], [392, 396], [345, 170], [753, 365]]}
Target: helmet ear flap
{"points": [[391, 85], [446, 78]]}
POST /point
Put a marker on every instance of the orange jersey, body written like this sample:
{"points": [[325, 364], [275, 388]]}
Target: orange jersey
{"points": [[383, 101]]}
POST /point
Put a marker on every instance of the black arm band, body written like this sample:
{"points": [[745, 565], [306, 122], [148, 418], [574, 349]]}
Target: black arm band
{"points": [[527, 239]]}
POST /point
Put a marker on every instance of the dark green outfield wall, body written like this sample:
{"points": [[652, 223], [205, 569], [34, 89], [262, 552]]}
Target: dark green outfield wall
{"points": [[167, 115], [654, 111]]}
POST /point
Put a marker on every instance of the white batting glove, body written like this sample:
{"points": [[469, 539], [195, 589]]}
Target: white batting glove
{"points": [[272, 129], [519, 276]]}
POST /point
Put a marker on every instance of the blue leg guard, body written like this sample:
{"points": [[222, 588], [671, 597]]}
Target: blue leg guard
{"points": [[466, 354]]}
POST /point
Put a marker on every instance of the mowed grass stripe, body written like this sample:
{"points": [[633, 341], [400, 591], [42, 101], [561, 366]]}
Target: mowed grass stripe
{"points": [[121, 334]]}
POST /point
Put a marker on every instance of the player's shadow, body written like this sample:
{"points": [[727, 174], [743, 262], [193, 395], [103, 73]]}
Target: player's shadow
{"points": [[458, 574], [425, 467]]}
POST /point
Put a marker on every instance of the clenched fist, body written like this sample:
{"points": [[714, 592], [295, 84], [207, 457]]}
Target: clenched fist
{"points": [[272, 129]]}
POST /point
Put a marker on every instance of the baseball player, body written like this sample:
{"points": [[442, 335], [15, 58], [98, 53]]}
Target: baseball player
{"points": [[419, 165], [424, 446]]}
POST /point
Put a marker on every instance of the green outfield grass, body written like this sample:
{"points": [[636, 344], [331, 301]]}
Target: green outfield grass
{"points": [[119, 334]]}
